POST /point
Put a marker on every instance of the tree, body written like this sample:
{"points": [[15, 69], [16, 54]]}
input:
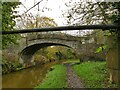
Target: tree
{"points": [[80, 13], [94, 13], [8, 22], [29, 21], [90, 13]]}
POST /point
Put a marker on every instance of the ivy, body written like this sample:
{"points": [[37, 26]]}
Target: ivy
{"points": [[8, 22]]}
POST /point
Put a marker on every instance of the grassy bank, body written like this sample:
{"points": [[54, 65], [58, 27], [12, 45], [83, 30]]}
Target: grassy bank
{"points": [[57, 78], [94, 74]]}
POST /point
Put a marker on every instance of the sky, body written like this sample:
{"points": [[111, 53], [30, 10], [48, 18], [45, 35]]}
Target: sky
{"points": [[55, 9]]}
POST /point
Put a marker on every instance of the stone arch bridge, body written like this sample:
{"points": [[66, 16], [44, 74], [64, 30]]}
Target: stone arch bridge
{"points": [[34, 42], [112, 56]]}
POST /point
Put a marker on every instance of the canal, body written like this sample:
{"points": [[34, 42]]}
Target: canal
{"points": [[27, 78]]}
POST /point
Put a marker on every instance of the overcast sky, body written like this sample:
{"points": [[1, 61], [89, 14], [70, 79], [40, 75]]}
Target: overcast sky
{"points": [[55, 9]]}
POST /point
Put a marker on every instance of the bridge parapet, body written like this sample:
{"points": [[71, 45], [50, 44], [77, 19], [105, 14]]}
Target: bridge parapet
{"points": [[55, 36]]}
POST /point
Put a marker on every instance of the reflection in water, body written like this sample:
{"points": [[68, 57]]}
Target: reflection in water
{"points": [[27, 78]]}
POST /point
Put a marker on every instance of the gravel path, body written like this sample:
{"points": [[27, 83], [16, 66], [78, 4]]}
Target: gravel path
{"points": [[73, 79]]}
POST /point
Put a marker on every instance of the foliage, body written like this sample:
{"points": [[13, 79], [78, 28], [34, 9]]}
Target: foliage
{"points": [[92, 73], [80, 13], [100, 49], [89, 12], [115, 18], [40, 59], [30, 21], [57, 53], [8, 22], [92, 12], [57, 78], [10, 62], [8, 66]]}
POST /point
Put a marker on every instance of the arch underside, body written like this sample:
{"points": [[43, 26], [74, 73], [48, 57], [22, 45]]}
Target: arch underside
{"points": [[28, 52]]}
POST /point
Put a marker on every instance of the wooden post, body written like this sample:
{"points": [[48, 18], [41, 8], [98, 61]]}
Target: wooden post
{"points": [[113, 58]]}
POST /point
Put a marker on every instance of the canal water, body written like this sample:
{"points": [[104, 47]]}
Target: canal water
{"points": [[27, 78]]}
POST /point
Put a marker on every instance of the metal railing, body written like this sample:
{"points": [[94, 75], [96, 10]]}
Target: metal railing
{"points": [[63, 28]]}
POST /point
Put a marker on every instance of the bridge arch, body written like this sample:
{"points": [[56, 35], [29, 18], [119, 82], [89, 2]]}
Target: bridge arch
{"points": [[27, 54]]}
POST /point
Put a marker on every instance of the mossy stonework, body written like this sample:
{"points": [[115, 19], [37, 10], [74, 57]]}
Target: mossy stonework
{"points": [[113, 58]]}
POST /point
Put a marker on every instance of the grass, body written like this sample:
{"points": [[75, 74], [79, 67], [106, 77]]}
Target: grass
{"points": [[72, 61], [92, 73], [57, 78]]}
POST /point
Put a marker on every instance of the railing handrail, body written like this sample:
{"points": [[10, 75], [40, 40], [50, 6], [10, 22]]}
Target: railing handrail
{"points": [[62, 28]]}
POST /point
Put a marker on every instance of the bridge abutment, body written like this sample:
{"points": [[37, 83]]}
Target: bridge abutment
{"points": [[27, 60], [113, 59]]}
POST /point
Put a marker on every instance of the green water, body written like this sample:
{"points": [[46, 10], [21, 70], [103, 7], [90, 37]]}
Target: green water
{"points": [[27, 78]]}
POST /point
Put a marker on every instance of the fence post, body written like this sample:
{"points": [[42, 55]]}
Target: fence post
{"points": [[113, 58]]}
